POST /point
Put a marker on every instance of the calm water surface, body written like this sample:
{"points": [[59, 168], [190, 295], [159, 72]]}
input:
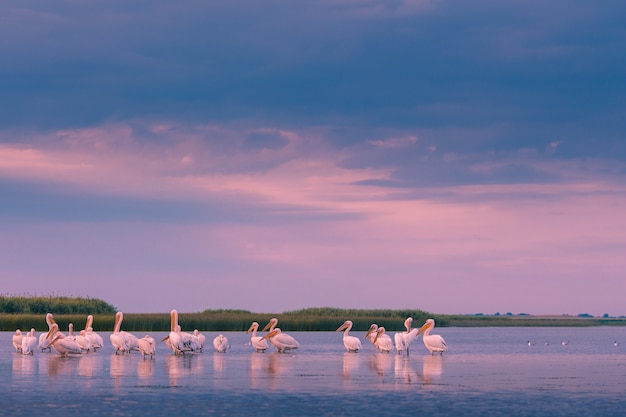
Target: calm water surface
{"points": [[487, 371]]}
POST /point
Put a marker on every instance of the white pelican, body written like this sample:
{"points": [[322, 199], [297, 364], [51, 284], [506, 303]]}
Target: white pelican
{"points": [[200, 339], [62, 344], [83, 341], [220, 343], [94, 338], [29, 342], [17, 340], [179, 341], [433, 342], [122, 341], [43, 342], [258, 342], [371, 333], [404, 339], [147, 346], [382, 341], [281, 341], [352, 344]]}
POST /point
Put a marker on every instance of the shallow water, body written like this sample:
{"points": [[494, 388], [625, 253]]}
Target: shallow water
{"points": [[487, 371]]}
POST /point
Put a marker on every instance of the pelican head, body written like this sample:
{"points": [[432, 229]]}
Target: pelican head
{"points": [[373, 329], [254, 326], [173, 320], [53, 334], [273, 322], [379, 332], [430, 323], [346, 325]]}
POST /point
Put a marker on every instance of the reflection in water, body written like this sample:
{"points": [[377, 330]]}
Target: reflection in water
{"points": [[351, 364], [181, 366], [218, 363], [23, 364], [145, 368], [404, 370], [259, 363], [120, 368], [90, 365], [61, 365], [381, 363], [432, 368], [270, 366]]}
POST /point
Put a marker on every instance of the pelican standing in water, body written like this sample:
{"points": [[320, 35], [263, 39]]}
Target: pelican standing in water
{"points": [[433, 342], [404, 339], [63, 345], [382, 341], [147, 346], [94, 338], [281, 341], [258, 343], [43, 342], [371, 333], [220, 343], [179, 341], [17, 340], [200, 339], [122, 341], [351, 343], [29, 342]]}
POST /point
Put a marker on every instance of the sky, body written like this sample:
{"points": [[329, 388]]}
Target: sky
{"points": [[450, 156]]}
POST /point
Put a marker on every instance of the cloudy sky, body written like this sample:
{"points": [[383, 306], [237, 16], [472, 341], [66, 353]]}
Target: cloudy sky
{"points": [[452, 156]]}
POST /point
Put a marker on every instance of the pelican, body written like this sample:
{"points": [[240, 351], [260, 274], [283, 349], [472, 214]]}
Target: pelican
{"points": [[404, 339], [352, 344], [147, 346], [200, 339], [17, 340], [371, 333], [43, 342], [281, 341], [564, 342], [382, 341], [180, 342], [258, 342], [62, 344], [122, 341], [83, 341], [94, 338], [433, 342], [220, 343], [616, 343], [29, 342]]}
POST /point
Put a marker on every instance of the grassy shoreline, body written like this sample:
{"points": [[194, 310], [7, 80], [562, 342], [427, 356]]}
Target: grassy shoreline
{"points": [[304, 320]]}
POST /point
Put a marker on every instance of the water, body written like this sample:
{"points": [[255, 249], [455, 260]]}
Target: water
{"points": [[487, 371]]}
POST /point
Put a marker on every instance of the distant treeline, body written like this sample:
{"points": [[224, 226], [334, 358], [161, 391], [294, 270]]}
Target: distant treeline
{"points": [[58, 305], [310, 319]]}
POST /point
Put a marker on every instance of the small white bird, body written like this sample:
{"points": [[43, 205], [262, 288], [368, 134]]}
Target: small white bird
{"points": [[220, 343], [616, 343], [564, 342]]}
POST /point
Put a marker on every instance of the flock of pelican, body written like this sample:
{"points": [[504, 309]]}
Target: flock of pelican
{"points": [[182, 342], [382, 341]]}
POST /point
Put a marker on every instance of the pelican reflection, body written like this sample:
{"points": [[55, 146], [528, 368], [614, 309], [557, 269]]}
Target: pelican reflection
{"points": [[404, 371], [381, 363], [351, 364], [181, 366], [23, 364], [432, 368], [145, 369]]}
